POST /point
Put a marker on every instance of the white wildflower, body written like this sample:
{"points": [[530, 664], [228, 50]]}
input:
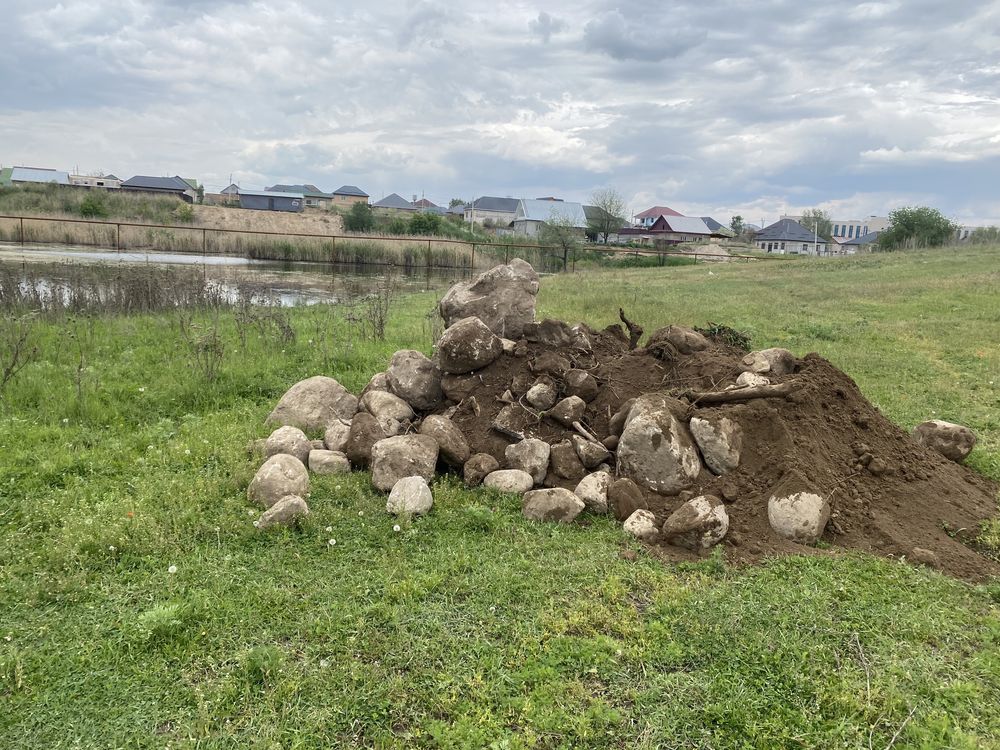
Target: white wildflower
{"points": [[172, 569], [332, 542], [142, 390], [187, 452], [329, 529], [396, 528]]}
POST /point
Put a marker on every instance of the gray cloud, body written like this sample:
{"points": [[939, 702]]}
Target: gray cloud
{"points": [[709, 107]]}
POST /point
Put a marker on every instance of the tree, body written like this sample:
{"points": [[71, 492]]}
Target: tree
{"points": [[817, 220], [360, 218], [561, 234], [610, 214], [917, 226], [736, 225], [456, 202], [985, 236]]}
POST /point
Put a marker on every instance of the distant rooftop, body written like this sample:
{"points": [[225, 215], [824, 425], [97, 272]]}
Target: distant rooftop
{"points": [[789, 231], [148, 182], [39, 174], [272, 194], [548, 210], [308, 190], [350, 190], [491, 203], [394, 200], [657, 211]]}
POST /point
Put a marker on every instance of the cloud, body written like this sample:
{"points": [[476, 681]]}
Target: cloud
{"points": [[708, 107]]}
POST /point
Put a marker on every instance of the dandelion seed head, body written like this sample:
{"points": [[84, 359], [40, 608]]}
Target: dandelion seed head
{"points": [[172, 569], [332, 542], [396, 527]]}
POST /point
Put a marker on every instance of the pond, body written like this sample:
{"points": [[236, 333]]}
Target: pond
{"points": [[50, 270]]}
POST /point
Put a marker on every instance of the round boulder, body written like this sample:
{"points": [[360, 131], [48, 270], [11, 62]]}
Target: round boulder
{"points": [[286, 512], [514, 481], [409, 496], [467, 345], [568, 411], [290, 440], [720, 440], [328, 462], [389, 409], [800, 516], [656, 450], [277, 477], [642, 525], [415, 379], [335, 437], [364, 433], [314, 404], [581, 383], [478, 467], [530, 455], [542, 396], [699, 523], [503, 298], [953, 441], [453, 446], [551, 505], [403, 456], [625, 498], [593, 490], [782, 361]]}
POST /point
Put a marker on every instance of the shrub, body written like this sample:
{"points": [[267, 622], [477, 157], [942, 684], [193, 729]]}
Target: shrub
{"points": [[183, 213], [360, 218], [425, 224], [93, 207]]}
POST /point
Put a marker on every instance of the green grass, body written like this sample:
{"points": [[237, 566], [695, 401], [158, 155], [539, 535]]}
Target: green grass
{"points": [[469, 628]]}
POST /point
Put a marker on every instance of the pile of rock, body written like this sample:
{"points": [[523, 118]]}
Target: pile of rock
{"points": [[403, 428]]}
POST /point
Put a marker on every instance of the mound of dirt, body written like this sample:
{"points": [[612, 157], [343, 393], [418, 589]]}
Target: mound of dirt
{"points": [[904, 497]]}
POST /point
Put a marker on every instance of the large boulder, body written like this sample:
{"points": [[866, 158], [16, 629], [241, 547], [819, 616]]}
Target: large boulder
{"points": [[514, 481], [782, 361], [452, 443], [656, 450], [953, 441], [467, 345], [503, 298], [720, 440], [335, 437], [290, 440], [286, 512], [699, 523], [682, 339], [364, 433], [593, 490], [403, 456], [551, 505], [530, 455], [478, 467], [277, 477], [409, 496], [798, 516], [389, 409], [314, 404], [328, 462], [642, 525], [415, 379], [556, 333]]}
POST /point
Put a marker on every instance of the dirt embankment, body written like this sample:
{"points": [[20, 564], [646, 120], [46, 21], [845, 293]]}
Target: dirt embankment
{"points": [[307, 222]]}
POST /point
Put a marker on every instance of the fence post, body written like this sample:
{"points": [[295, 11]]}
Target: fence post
{"points": [[429, 252], [472, 263], [204, 241], [118, 238], [506, 254], [22, 230], [333, 249]]}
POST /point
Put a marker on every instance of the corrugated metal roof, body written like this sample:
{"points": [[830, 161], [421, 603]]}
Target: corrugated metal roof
{"points": [[787, 230], [656, 212], [536, 210], [687, 225], [35, 174], [350, 190], [865, 239], [156, 183], [491, 203], [272, 194], [311, 190]]}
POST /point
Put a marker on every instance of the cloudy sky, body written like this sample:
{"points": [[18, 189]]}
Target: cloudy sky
{"points": [[707, 107]]}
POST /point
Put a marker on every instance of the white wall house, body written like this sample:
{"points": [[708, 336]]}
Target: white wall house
{"points": [[532, 214], [787, 237]]}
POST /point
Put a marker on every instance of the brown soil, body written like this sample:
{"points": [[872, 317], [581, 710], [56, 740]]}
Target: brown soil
{"points": [[814, 436]]}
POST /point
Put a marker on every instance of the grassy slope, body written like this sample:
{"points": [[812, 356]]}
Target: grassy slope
{"points": [[471, 627]]}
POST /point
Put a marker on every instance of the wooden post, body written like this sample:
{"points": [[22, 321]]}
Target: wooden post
{"points": [[506, 254], [22, 230], [428, 252], [118, 238], [333, 249], [472, 263], [204, 241]]}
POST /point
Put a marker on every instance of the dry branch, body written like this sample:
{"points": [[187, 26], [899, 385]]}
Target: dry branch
{"points": [[781, 390], [634, 331]]}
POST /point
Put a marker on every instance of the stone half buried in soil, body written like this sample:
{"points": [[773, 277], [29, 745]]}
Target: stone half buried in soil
{"points": [[554, 504], [953, 441], [698, 524], [656, 450]]}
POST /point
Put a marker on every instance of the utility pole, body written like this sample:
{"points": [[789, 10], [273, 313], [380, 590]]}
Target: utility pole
{"points": [[816, 237]]}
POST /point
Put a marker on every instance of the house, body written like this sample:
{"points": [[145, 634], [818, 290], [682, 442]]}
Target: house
{"points": [[108, 182], [272, 200], [532, 214], [717, 226], [849, 229], [648, 217], [175, 186], [314, 197], [349, 195], [424, 203], [232, 189], [787, 237], [394, 202], [36, 175], [497, 211], [862, 244], [228, 196]]}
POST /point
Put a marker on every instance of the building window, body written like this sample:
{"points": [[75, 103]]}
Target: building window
{"points": [[782, 245], [805, 247], [850, 232]]}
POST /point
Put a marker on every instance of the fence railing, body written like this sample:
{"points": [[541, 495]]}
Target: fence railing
{"points": [[559, 256]]}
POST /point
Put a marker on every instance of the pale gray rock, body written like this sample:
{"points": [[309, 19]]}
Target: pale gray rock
{"points": [[591, 454], [379, 382], [555, 504], [503, 298], [514, 481], [509, 346], [683, 339], [530, 455], [800, 516], [403, 456], [335, 437], [290, 440], [593, 490], [285, 512], [278, 476], [314, 404], [656, 450], [700, 523], [409, 496], [328, 462], [642, 525], [750, 379], [542, 396], [388, 409], [556, 333], [953, 441], [415, 379], [571, 409], [755, 362], [452, 443], [782, 361], [467, 345], [720, 440]]}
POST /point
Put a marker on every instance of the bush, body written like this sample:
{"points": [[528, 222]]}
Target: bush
{"points": [[93, 207], [183, 213], [360, 218], [916, 227], [425, 224]]}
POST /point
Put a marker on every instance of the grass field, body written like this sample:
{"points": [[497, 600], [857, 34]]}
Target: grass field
{"points": [[140, 608]]}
